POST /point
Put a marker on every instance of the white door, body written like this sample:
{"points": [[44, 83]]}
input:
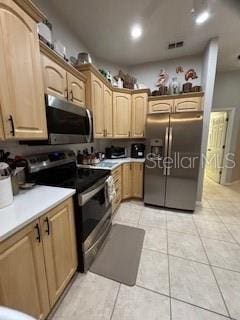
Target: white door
{"points": [[216, 145]]}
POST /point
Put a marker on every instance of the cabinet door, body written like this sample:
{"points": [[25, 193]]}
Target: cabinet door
{"points": [[121, 115], [188, 104], [161, 106], [108, 111], [21, 90], [55, 78], [126, 181], [23, 283], [137, 180], [59, 248], [139, 110], [76, 90], [98, 107]]}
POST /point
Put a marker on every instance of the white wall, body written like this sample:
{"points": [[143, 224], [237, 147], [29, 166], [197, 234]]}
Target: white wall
{"points": [[227, 95], [208, 80], [61, 30], [147, 73]]}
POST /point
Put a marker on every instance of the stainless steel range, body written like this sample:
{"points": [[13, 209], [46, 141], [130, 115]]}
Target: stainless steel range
{"points": [[93, 211]]}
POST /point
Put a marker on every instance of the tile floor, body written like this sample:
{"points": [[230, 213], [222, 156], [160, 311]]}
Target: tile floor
{"points": [[190, 266]]}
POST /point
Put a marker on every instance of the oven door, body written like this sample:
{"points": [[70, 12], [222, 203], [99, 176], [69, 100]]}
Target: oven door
{"points": [[67, 123], [96, 216]]}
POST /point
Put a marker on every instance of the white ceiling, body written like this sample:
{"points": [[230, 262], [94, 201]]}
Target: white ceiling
{"points": [[104, 27]]}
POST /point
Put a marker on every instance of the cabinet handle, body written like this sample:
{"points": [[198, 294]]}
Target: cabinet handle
{"points": [[12, 125], [48, 226], [65, 93], [38, 238], [71, 95], [105, 132], [129, 133]]}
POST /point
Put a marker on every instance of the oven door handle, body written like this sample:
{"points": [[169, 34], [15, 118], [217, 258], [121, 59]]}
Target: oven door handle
{"points": [[89, 139], [89, 193]]}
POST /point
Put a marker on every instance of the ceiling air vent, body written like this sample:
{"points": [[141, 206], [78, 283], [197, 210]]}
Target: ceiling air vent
{"points": [[175, 45]]}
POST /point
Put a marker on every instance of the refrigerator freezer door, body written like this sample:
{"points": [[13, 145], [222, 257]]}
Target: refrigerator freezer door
{"points": [[185, 136], [157, 130]]}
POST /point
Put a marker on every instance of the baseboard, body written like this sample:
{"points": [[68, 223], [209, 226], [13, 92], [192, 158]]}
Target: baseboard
{"points": [[231, 183]]}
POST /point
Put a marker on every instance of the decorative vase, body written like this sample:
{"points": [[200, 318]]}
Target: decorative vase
{"points": [[174, 87]]}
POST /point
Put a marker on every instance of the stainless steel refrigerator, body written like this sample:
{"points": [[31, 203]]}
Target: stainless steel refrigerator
{"points": [[173, 147]]}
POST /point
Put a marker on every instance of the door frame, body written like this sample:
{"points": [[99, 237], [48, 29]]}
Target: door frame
{"points": [[231, 116]]}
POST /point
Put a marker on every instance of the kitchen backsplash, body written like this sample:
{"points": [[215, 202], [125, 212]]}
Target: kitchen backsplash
{"points": [[99, 145]]}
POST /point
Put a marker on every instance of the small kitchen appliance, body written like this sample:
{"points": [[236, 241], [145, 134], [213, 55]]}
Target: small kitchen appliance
{"points": [[116, 152], [137, 150], [6, 193]]}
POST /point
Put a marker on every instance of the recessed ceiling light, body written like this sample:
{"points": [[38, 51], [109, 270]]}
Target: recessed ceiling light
{"points": [[202, 17], [136, 31]]}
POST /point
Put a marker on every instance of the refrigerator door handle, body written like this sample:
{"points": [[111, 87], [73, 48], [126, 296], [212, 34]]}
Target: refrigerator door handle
{"points": [[170, 149], [165, 152]]}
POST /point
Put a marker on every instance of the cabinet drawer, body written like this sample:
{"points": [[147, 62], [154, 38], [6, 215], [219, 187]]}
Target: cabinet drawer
{"points": [[188, 104], [161, 106]]}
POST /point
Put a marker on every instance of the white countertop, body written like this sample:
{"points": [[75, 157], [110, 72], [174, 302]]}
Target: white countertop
{"points": [[116, 162], [28, 205]]}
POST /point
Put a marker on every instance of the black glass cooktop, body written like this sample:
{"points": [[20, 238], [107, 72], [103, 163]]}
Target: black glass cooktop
{"points": [[69, 176]]}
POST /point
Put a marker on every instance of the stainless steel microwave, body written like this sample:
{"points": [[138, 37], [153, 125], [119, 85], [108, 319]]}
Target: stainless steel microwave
{"points": [[67, 123]]}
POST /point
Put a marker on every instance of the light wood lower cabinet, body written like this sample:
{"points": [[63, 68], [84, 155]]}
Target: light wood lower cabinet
{"points": [[137, 180], [117, 178], [59, 245], [121, 115], [132, 180], [126, 181], [37, 262], [23, 282], [21, 90]]}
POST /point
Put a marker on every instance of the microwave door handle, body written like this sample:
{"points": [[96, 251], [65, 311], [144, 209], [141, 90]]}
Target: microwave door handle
{"points": [[90, 125]]}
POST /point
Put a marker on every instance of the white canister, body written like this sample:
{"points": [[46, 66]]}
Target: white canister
{"points": [[6, 193]]}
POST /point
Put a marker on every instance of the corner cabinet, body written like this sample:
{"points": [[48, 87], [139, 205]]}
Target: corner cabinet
{"points": [[108, 111], [137, 180], [132, 180], [121, 115], [21, 90], [126, 181], [38, 261], [97, 105], [139, 111]]}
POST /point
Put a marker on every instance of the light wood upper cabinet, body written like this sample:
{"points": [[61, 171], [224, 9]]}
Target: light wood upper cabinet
{"points": [[76, 90], [137, 180], [23, 282], [121, 115], [98, 107], [59, 248], [126, 181], [108, 111], [21, 90], [139, 110], [55, 78], [161, 106], [188, 104]]}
